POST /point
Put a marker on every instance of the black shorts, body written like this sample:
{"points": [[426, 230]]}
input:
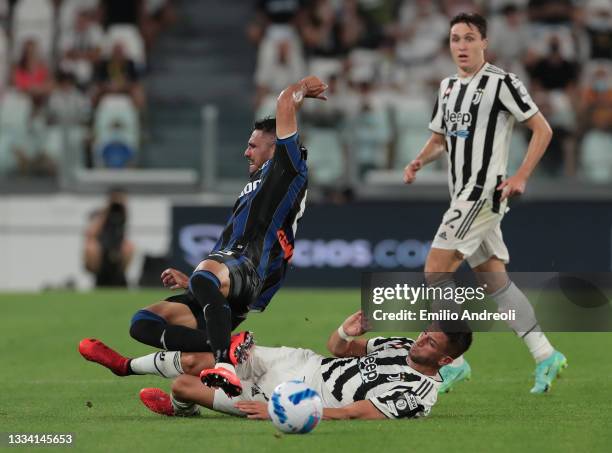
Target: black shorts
{"points": [[197, 311], [245, 286]]}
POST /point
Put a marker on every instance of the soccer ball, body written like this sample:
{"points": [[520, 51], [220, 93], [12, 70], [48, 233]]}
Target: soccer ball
{"points": [[295, 408]]}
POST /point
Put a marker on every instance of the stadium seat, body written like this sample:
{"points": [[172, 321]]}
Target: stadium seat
{"points": [[132, 42], [325, 155], [596, 162], [324, 67], [411, 120], [15, 114], [33, 19], [116, 124]]}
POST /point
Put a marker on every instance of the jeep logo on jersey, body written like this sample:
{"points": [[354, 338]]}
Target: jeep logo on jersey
{"points": [[368, 368], [197, 241], [458, 118], [250, 187]]}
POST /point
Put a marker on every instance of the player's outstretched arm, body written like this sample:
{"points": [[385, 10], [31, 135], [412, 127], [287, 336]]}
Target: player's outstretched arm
{"points": [[363, 410], [290, 100], [341, 342], [540, 138], [432, 150]]}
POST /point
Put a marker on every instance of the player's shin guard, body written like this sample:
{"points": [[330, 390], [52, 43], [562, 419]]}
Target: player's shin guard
{"points": [[525, 324], [205, 287], [152, 330]]}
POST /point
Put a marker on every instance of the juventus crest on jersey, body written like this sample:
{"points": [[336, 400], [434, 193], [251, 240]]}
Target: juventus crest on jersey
{"points": [[477, 115], [383, 377]]}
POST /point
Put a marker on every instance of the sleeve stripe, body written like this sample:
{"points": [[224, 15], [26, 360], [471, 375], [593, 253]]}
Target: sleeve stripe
{"points": [[515, 95], [435, 110]]}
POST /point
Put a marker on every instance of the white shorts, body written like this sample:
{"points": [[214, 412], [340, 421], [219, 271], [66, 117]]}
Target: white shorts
{"points": [[472, 228], [268, 367]]}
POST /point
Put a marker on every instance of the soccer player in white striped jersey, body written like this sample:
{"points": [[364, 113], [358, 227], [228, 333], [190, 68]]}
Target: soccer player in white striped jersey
{"points": [[377, 378], [472, 122]]}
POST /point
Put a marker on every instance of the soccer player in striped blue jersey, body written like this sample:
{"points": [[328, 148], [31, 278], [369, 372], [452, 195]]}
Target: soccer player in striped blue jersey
{"points": [[472, 122], [247, 265], [377, 378]]}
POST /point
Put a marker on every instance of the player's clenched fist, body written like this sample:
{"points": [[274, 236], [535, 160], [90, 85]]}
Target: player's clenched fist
{"points": [[411, 170], [313, 87], [355, 324]]}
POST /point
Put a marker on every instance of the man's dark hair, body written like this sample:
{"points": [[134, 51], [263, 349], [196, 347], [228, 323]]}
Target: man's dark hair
{"points": [[471, 19], [267, 125], [459, 336]]}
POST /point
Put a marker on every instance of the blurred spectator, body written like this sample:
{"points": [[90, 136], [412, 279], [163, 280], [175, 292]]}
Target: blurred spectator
{"points": [[33, 20], [117, 74], [554, 72], [451, 8], [158, 15], [596, 114], [31, 74], [273, 13], [107, 251], [508, 37], [320, 30], [80, 47], [275, 30], [68, 116], [550, 11], [70, 9], [277, 70], [356, 28], [595, 108], [381, 14], [599, 28], [421, 28], [67, 105]]}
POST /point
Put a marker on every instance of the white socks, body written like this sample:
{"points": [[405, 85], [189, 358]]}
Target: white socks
{"points": [[538, 345], [227, 366], [184, 409], [526, 325], [166, 364]]}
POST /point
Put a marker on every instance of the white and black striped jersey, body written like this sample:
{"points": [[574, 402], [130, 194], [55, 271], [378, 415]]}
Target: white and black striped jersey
{"points": [[477, 116], [383, 377]]}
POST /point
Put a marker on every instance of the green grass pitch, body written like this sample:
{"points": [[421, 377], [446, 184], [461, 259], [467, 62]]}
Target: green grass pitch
{"points": [[48, 387]]}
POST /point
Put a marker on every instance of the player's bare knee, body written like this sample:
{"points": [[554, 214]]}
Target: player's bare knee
{"points": [[159, 308], [181, 385], [194, 362], [220, 271]]}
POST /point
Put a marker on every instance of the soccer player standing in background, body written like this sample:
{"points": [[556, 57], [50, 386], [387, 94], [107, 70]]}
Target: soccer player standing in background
{"points": [[472, 121]]}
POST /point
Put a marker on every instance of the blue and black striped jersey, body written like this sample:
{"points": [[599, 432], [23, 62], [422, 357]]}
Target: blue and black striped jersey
{"points": [[264, 219]]}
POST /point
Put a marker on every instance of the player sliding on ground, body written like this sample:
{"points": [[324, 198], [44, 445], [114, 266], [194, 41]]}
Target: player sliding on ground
{"points": [[248, 264], [378, 378], [472, 121]]}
